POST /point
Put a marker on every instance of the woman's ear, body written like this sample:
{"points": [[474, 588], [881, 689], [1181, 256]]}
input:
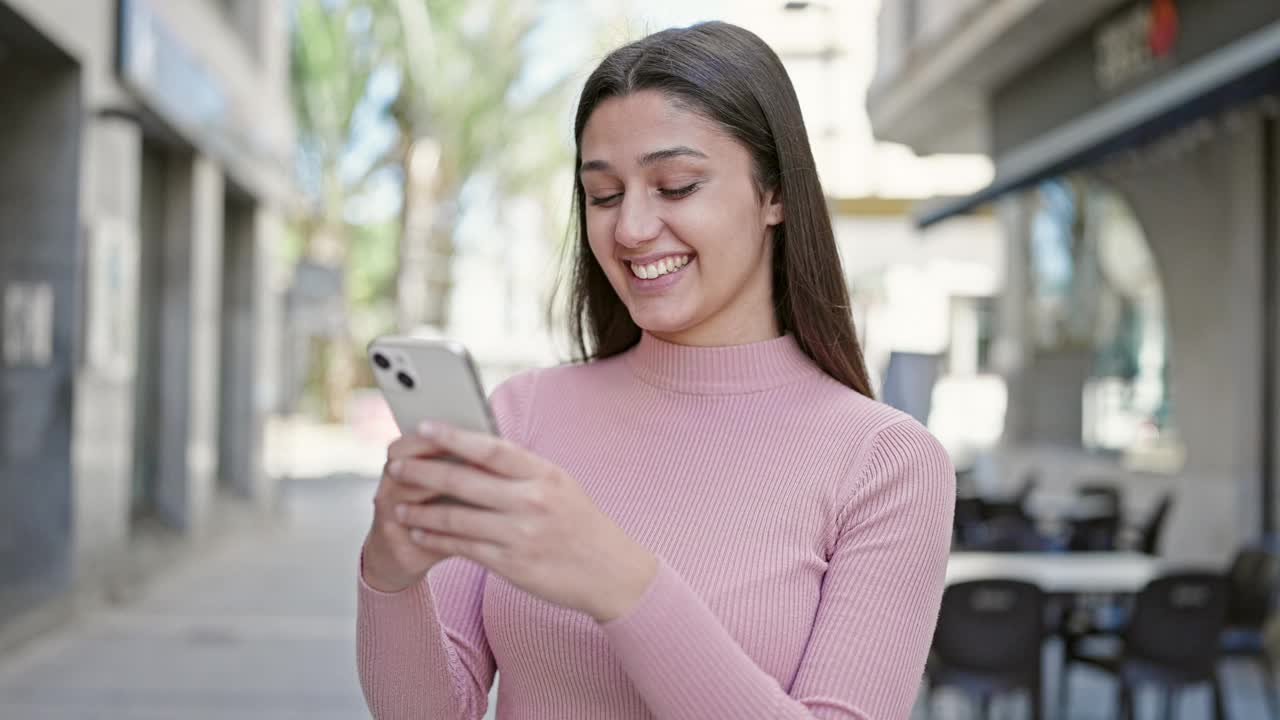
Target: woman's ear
{"points": [[773, 214]]}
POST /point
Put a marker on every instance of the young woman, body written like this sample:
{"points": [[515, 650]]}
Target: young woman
{"points": [[710, 517]]}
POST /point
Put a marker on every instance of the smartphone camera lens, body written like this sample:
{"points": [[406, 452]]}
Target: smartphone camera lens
{"points": [[405, 380], [381, 361]]}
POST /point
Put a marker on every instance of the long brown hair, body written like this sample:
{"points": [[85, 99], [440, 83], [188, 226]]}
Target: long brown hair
{"points": [[732, 77]]}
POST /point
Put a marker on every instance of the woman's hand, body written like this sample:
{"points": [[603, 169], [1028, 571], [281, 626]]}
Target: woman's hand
{"points": [[391, 560], [531, 524]]}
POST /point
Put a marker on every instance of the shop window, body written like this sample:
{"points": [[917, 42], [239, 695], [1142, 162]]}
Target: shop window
{"points": [[1096, 298]]}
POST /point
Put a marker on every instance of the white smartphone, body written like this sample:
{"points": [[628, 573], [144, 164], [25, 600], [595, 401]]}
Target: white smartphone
{"points": [[429, 379], [425, 379]]}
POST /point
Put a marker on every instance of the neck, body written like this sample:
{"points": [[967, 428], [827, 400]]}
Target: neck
{"points": [[709, 370], [697, 337]]}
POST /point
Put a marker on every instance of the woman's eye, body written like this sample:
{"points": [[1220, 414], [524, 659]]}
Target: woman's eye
{"points": [[605, 199], [678, 192]]}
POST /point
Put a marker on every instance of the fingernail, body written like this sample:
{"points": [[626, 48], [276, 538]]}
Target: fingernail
{"points": [[417, 535], [394, 467], [426, 429], [402, 512]]}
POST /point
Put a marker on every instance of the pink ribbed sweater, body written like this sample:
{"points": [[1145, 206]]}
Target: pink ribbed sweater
{"points": [[801, 529]]}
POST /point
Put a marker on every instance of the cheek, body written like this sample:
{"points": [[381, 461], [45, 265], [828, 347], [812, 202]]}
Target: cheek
{"points": [[599, 239], [730, 251], [716, 236]]}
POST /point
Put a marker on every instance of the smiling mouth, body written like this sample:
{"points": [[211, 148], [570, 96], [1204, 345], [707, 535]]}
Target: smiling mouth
{"points": [[658, 268]]}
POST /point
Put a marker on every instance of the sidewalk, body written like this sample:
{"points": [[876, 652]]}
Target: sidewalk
{"points": [[262, 627]]}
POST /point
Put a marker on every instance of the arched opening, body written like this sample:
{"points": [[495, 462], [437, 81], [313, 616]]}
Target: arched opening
{"points": [[1096, 297]]}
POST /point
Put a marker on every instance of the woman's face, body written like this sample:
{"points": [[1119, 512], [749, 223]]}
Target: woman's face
{"points": [[675, 221]]}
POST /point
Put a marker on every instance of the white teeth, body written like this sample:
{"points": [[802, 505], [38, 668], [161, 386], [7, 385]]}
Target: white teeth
{"points": [[661, 267]]}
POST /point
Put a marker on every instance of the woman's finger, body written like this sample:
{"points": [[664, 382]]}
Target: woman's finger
{"points": [[393, 491], [482, 552], [457, 480], [459, 521], [409, 446], [489, 452]]}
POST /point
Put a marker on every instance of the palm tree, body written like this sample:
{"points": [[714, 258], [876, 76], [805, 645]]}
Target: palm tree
{"points": [[465, 110], [338, 48], [461, 108]]}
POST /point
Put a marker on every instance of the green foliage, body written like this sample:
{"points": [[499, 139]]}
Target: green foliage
{"points": [[464, 88], [458, 72], [371, 263], [371, 274]]}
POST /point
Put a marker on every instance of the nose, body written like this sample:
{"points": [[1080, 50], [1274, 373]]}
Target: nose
{"points": [[638, 220]]}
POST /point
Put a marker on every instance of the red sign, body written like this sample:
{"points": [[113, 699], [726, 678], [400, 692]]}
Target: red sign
{"points": [[1163, 29], [1135, 44]]}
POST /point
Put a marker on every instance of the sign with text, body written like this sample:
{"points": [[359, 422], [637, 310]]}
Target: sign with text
{"points": [[28, 324], [156, 64], [1134, 45]]}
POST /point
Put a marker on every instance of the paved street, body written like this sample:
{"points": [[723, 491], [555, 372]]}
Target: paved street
{"points": [[259, 628], [262, 627]]}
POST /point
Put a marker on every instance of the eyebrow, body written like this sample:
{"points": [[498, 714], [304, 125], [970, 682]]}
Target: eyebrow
{"points": [[648, 158]]}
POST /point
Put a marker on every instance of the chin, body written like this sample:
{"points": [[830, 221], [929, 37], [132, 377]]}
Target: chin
{"points": [[662, 322]]}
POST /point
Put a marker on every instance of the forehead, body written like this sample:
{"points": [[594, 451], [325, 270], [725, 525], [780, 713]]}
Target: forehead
{"points": [[635, 123]]}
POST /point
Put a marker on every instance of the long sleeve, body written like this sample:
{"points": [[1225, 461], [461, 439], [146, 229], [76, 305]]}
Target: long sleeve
{"points": [[871, 634], [423, 652]]}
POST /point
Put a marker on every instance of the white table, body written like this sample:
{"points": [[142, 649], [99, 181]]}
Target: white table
{"points": [[1097, 572]]}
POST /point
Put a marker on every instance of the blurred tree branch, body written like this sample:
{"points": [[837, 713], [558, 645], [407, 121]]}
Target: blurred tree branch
{"points": [[463, 65], [449, 82], [335, 55]]}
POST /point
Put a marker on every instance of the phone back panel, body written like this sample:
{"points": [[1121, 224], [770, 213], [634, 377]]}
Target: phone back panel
{"points": [[426, 379]]}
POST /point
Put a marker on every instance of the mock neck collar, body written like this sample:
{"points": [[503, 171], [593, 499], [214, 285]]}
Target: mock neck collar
{"points": [[721, 370]]}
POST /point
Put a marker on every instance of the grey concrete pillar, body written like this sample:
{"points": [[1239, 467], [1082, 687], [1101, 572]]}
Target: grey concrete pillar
{"points": [[265, 368], [1013, 342], [240, 433], [190, 326], [104, 407], [1200, 207]]}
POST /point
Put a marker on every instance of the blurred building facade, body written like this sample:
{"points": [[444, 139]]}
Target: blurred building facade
{"points": [[1136, 157], [147, 174], [921, 299]]}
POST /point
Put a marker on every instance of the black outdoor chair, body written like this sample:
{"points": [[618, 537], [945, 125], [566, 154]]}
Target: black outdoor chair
{"points": [[987, 642], [1150, 533], [1014, 506], [1253, 581], [1098, 532], [1015, 534], [999, 525], [1170, 641], [969, 529]]}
